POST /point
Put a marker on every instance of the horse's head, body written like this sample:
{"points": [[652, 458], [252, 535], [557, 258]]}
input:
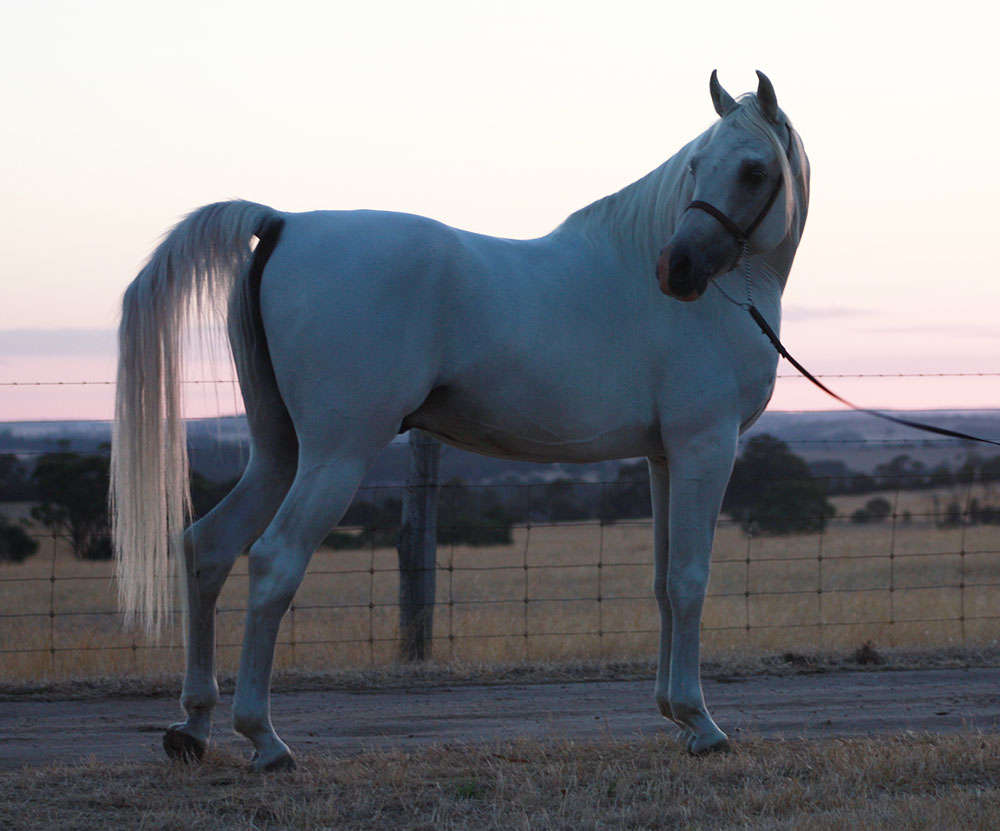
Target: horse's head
{"points": [[743, 192]]}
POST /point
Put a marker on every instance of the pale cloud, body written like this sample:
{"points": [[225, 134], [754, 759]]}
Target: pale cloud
{"points": [[962, 330], [49, 343], [802, 313]]}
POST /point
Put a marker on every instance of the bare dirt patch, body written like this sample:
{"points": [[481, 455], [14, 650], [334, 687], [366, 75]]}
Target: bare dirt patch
{"points": [[347, 722]]}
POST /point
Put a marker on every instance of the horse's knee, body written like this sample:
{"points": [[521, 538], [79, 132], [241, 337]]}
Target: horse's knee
{"points": [[687, 588], [273, 580]]}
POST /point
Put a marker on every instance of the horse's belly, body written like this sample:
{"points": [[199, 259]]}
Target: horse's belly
{"points": [[545, 433]]}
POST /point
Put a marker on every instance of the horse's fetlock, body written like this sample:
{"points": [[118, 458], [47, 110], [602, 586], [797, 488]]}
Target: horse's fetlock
{"points": [[687, 709], [663, 705], [201, 700], [247, 721]]}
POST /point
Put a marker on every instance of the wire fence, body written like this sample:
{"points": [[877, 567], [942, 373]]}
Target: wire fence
{"points": [[926, 573], [556, 591]]}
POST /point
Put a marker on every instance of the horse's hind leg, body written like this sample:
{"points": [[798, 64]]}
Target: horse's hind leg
{"points": [[319, 496], [211, 546]]}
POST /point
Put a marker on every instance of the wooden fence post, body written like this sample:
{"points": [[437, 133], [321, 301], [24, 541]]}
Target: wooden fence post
{"points": [[418, 548]]}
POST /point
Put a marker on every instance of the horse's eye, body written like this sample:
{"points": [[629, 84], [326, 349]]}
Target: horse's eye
{"points": [[753, 174], [691, 168]]}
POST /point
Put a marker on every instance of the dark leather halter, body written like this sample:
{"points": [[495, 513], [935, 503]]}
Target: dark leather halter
{"points": [[742, 236]]}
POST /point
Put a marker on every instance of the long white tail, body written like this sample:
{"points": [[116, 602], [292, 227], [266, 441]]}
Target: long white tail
{"points": [[188, 277]]}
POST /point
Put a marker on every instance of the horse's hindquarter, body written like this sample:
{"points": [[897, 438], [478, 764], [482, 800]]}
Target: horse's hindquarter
{"points": [[352, 304]]}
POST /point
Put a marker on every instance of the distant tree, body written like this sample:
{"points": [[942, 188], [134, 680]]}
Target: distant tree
{"points": [[15, 544], [901, 472], [379, 520], [206, 494], [73, 494], [878, 508], [628, 496], [952, 515], [941, 477], [861, 516], [838, 478], [980, 514], [970, 469], [466, 516], [772, 490], [990, 470], [562, 501], [472, 516], [15, 480], [875, 510]]}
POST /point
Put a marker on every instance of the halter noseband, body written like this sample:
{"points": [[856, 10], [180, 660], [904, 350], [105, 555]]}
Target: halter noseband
{"points": [[742, 236]]}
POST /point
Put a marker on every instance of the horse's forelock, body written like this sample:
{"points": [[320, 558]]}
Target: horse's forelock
{"points": [[750, 115]]}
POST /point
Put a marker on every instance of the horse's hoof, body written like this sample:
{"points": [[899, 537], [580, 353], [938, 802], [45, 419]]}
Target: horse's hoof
{"points": [[284, 762], [709, 744], [183, 746]]}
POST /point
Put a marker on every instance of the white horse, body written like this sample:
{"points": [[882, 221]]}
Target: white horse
{"points": [[348, 327]]}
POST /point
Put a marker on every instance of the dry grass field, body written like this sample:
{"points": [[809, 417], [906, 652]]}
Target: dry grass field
{"points": [[903, 782], [558, 592]]}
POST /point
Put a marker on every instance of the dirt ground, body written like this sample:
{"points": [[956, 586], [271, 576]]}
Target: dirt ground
{"points": [[341, 723]]}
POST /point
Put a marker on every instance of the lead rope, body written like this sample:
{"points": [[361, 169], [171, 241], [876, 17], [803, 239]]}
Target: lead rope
{"points": [[745, 257], [770, 334]]}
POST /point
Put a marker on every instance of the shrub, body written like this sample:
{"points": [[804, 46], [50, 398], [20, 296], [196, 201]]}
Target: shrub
{"points": [[772, 490], [15, 544]]}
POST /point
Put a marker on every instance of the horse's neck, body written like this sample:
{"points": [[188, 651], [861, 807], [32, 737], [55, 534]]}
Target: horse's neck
{"points": [[640, 218]]}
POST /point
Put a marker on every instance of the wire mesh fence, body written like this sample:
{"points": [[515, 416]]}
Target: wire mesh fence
{"points": [[556, 591], [925, 573]]}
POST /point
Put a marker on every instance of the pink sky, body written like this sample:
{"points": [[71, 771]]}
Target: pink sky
{"points": [[503, 119]]}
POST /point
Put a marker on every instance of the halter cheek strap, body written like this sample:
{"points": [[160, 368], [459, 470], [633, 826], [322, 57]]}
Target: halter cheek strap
{"points": [[742, 236], [724, 221]]}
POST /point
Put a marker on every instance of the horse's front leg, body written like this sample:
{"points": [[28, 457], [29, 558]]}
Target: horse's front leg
{"points": [[659, 487], [699, 469]]}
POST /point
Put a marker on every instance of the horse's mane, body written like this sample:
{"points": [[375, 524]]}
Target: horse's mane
{"points": [[643, 215]]}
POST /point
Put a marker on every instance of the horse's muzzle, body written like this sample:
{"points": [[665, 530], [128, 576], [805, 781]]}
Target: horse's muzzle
{"points": [[677, 276]]}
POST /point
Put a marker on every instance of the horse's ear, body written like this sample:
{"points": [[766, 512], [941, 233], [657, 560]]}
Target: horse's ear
{"points": [[721, 100], [766, 98]]}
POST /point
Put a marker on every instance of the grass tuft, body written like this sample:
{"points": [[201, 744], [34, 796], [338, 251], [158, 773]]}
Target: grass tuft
{"points": [[910, 781]]}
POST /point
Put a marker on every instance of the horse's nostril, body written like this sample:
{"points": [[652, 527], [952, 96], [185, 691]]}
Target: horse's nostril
{"points": [[680, 263], [680, 281]]}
